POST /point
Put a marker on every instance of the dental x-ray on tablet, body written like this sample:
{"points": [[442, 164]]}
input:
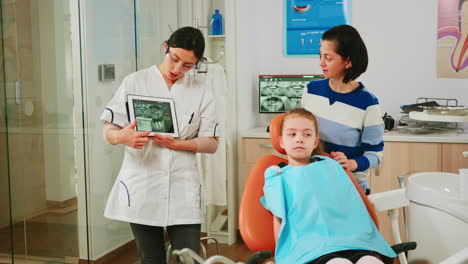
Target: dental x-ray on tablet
{"points": [[153, 114]]}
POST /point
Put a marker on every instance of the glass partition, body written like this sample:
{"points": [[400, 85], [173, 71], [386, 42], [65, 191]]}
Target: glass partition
{"points": [[38, 177], [56, 171], [155, 21]]}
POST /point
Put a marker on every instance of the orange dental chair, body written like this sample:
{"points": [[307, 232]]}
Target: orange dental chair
{"points": [[256, 223]]}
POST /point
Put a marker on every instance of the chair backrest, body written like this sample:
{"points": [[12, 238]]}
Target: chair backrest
{"points": [[255, 222]]}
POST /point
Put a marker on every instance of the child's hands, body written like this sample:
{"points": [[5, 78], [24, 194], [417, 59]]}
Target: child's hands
{"points": [[346, 163]]}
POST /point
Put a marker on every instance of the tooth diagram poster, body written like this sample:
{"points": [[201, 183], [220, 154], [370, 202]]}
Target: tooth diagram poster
{"points": [[452, 39], [307, 20]]}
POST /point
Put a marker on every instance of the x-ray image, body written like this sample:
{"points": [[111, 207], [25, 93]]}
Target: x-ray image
{"points": [[295, 89], [272, 104], [153, 114], [279, 93]]}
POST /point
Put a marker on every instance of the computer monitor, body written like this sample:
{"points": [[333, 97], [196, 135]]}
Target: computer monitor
{"points": [[279, 93]]}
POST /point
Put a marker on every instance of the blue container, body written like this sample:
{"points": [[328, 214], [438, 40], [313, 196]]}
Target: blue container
{"points": [[217, 23]]}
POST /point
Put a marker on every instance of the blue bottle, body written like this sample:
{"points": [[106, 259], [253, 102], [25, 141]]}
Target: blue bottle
{"points": [[217, 23]]}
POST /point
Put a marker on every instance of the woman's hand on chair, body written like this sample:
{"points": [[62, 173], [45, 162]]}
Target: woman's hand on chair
{"points": [[346, 163]]}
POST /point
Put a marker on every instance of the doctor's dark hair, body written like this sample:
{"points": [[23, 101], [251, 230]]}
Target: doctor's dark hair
{"points": [[349, 44], [188, 38], [302, 112]]}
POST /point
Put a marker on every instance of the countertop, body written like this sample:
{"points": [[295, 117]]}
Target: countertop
{"points": [[397, 136]]}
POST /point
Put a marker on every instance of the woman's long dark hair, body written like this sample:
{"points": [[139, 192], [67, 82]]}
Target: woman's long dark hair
{"points": [[188, 38]]}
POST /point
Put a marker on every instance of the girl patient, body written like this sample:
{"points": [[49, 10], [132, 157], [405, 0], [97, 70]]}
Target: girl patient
{"points": [[319, 216]]}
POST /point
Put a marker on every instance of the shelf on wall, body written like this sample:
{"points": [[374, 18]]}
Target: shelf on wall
{"points": [[215, 36]]}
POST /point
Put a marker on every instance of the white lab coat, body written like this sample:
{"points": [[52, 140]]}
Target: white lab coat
{"points": [[158, 186]]}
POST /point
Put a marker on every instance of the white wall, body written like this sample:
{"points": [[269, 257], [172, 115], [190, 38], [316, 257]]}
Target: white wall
{"points": [[400, 36]]}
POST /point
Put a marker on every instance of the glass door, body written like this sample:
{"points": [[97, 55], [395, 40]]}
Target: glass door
{"points": [[38, 183]]}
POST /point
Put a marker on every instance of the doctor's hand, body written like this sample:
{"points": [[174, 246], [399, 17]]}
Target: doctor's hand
{"points": [[132, 138], [165, 141], [346, 163], [175, 144]]}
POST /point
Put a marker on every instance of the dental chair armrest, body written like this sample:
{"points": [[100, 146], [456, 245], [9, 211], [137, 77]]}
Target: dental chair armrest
{"points": [[388, 200], [258, 257], [399, 248], [404, 247]]}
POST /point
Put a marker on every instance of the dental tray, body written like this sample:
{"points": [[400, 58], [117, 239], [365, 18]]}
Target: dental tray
{"points": [[433, 116], [446, 110]]}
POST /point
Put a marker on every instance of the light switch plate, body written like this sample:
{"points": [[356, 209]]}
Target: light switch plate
{"points": [[106, 72]]}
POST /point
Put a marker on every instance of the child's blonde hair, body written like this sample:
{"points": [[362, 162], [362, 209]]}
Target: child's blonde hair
{"points": [[302, 112]]}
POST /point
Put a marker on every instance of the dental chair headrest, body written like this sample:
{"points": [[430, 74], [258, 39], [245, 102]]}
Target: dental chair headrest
{"points": [[275, 132]]}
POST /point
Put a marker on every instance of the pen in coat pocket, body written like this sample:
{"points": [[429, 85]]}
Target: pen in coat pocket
{"points": [[191, 117]]}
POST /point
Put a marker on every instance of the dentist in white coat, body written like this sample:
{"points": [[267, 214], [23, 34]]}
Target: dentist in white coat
{"points": [[158, 184]]}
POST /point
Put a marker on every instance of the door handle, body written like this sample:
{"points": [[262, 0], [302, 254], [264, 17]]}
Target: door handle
{"points": [[17, 92]]}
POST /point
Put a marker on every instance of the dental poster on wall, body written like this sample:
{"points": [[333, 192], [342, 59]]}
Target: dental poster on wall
{"points": [[452, 39], [307, 20]]}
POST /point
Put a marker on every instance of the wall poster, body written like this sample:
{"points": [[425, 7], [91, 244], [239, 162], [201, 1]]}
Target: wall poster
{"points": [[452, 39], [307, 20]]}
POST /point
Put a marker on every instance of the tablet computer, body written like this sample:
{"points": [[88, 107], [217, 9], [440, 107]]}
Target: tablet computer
{"points": [[155, 114]]}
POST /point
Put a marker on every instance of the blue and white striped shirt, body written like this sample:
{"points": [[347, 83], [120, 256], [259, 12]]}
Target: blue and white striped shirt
{"points": [[348, 122]]}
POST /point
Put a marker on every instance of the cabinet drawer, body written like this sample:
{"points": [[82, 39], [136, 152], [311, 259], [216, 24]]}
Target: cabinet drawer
{"points": [[452, 157], [252, 150], [255, 148]]}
